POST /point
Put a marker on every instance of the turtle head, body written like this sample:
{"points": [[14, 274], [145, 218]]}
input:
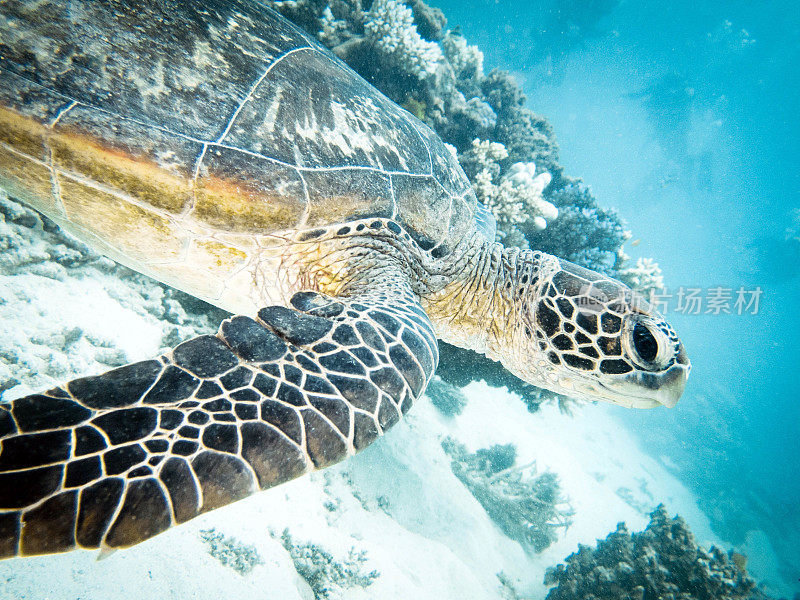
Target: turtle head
{"points": [[588, 336]]}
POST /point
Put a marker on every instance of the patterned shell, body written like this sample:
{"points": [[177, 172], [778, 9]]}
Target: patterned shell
{"points": [[127, 121]]}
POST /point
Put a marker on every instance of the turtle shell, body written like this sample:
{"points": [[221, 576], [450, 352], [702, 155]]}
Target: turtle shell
{"points": [[148, 127]]}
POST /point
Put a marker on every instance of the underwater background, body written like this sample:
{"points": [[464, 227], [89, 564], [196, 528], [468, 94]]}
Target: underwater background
{"points": [[682, 117]]}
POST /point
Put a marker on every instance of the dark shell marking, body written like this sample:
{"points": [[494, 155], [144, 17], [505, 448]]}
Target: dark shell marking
{"points": [[114, 459]]}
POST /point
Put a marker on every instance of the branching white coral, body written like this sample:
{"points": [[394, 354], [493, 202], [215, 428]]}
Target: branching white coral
{"points": [[645, 277], [332, 27], [487, 155], [517, 196], [466, 60], [521, 186], [389, 25], [327, 576]]}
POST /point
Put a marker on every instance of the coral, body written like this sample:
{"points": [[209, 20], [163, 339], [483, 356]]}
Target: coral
{"points": [[332, 29], [481, 114], [481, 163], [36, 258], [508, 590], [522, 189], [430, 21], [326, 576], [305, 13], [447, 398], [389, 26], [503, 92], [527, 506], [662, 562], [528, 137], [466, 62], [645, 277], [26, 254], [496, 458], [584, 233], [467, 119], [232, 553], [515, 198]]}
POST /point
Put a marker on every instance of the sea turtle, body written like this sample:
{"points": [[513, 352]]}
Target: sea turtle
{"points": [[221, 150]]}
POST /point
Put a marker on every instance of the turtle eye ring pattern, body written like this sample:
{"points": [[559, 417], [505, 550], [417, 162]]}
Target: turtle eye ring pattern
{"points": [[648, 346]]}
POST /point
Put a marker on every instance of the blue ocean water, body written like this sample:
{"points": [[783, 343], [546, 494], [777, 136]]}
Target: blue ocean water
{"points": [[684, 116]]}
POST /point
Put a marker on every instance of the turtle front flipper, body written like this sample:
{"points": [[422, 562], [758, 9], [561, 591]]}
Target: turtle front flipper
{"points": [[111, 460]]}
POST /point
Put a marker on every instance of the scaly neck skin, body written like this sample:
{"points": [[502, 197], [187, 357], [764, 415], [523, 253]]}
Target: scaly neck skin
{"points": [[477, 297], [482, 307]]}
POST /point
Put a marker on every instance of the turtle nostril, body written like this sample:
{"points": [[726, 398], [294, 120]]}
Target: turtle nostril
{"points": [[645, 343]]}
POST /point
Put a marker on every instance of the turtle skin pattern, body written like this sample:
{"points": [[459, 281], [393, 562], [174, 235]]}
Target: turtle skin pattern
{"points": [[111, 460]]}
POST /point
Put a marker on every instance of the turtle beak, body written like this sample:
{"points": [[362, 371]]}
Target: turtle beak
{"points": [[672, 386], [663, 388], [674, 380], [645, 389]]}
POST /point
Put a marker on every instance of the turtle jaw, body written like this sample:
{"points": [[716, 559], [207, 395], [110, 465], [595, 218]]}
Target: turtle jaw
{"points": [[639, 389], [642, 389]]}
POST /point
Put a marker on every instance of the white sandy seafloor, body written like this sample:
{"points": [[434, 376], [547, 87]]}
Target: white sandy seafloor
{"points": [[398, 501]]}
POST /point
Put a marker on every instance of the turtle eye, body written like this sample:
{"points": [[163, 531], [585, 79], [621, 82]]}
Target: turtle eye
{"points": [[645, 343], [648, 346]]}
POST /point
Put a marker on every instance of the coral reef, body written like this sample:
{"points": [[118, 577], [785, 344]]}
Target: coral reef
{"points": [[447, 398], [662, 562], [583, 233], [331, 28], [232, 553], [645, 276], [527, 506], [328, 577], [527, 136], [466, 61], [515, 199], [430, 21], [389, 27]]}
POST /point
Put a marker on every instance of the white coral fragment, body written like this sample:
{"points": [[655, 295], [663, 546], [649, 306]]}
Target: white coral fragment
{"points": [[528, 186], [517, 196], [646, 277], [389, 25], [332, 27], [466, 60]]}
